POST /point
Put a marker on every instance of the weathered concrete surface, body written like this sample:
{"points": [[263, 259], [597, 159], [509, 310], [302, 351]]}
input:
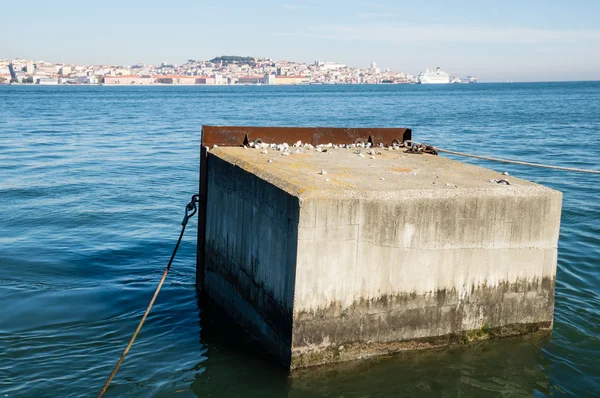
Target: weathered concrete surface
{"points": [[397, 252]]}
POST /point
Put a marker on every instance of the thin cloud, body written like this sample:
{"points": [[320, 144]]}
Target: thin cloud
{"points": [[375, 15], [293, 7], [371, 4], [452, 34]]}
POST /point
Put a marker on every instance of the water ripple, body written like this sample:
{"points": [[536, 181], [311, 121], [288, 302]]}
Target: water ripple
{"points": [[92, 183]]}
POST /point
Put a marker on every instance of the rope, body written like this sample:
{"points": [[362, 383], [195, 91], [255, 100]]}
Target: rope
{"points": [[190, 210], [544, 166]]}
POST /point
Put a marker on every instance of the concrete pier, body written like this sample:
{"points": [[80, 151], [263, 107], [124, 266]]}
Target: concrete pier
{"points": [[334, 256]]}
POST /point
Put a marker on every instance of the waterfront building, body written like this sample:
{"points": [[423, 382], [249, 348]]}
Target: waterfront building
{"points": [[46, 81], [219, 80], [205, 80], [174, 79], [128, 79], [269, 79], [86, 79], [250, 79], [287, 80]]}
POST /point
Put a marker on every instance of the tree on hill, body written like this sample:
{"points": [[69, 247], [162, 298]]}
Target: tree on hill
{"points": [[234, 59]]}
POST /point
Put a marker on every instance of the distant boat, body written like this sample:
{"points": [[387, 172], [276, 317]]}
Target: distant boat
{"points": [[434, 77]]}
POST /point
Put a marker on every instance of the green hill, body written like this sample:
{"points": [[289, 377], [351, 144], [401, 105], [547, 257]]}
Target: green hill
{"points": [[234, 59]]}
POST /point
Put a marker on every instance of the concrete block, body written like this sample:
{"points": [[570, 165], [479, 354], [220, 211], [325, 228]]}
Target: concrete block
{"points": [[399, 252]]}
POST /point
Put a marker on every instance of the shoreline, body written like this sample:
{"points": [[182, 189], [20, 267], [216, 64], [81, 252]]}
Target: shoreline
{"points": [[293, 85]]}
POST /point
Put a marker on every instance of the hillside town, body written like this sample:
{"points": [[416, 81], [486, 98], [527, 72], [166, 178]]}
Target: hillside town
{"points": [[223, 70]]}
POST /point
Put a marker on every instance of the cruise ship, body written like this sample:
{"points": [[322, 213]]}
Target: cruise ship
{"points": [[434, 77]]}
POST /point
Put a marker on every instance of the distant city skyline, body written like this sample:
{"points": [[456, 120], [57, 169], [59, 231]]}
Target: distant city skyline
{"points": [[497, 41], [225, 70]]}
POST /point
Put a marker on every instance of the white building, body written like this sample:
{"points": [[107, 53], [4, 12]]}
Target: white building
{"points": [[269, 79], [46, 69], [91, 79], [219, 80], [65, 70], [329, 65], [374, 68], [46, 81]]}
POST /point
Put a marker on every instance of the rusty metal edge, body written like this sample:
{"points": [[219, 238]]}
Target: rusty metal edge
{"points": [[243, 135]]}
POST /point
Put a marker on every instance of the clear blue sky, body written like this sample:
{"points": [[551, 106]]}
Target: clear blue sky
{"points": [[524, 40]]}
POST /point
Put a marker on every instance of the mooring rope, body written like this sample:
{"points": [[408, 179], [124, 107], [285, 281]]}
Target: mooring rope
{"points": [[190, 210], [417, 147], [544, 166]]}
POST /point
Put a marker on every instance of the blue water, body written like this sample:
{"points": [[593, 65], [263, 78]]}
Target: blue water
{"points": [[93, 182]]}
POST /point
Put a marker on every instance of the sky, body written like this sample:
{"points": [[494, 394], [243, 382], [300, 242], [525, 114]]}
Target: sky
{"points": [[526, 40]]}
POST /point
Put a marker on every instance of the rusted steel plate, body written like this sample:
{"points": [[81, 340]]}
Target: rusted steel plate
{"points": [[242, 135]]}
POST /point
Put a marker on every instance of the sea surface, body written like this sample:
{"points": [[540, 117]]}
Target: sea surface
{"points": [[93, 183]]}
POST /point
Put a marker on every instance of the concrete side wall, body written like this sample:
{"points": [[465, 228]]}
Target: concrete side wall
{"points": [[384, 272], [251, 242]]}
